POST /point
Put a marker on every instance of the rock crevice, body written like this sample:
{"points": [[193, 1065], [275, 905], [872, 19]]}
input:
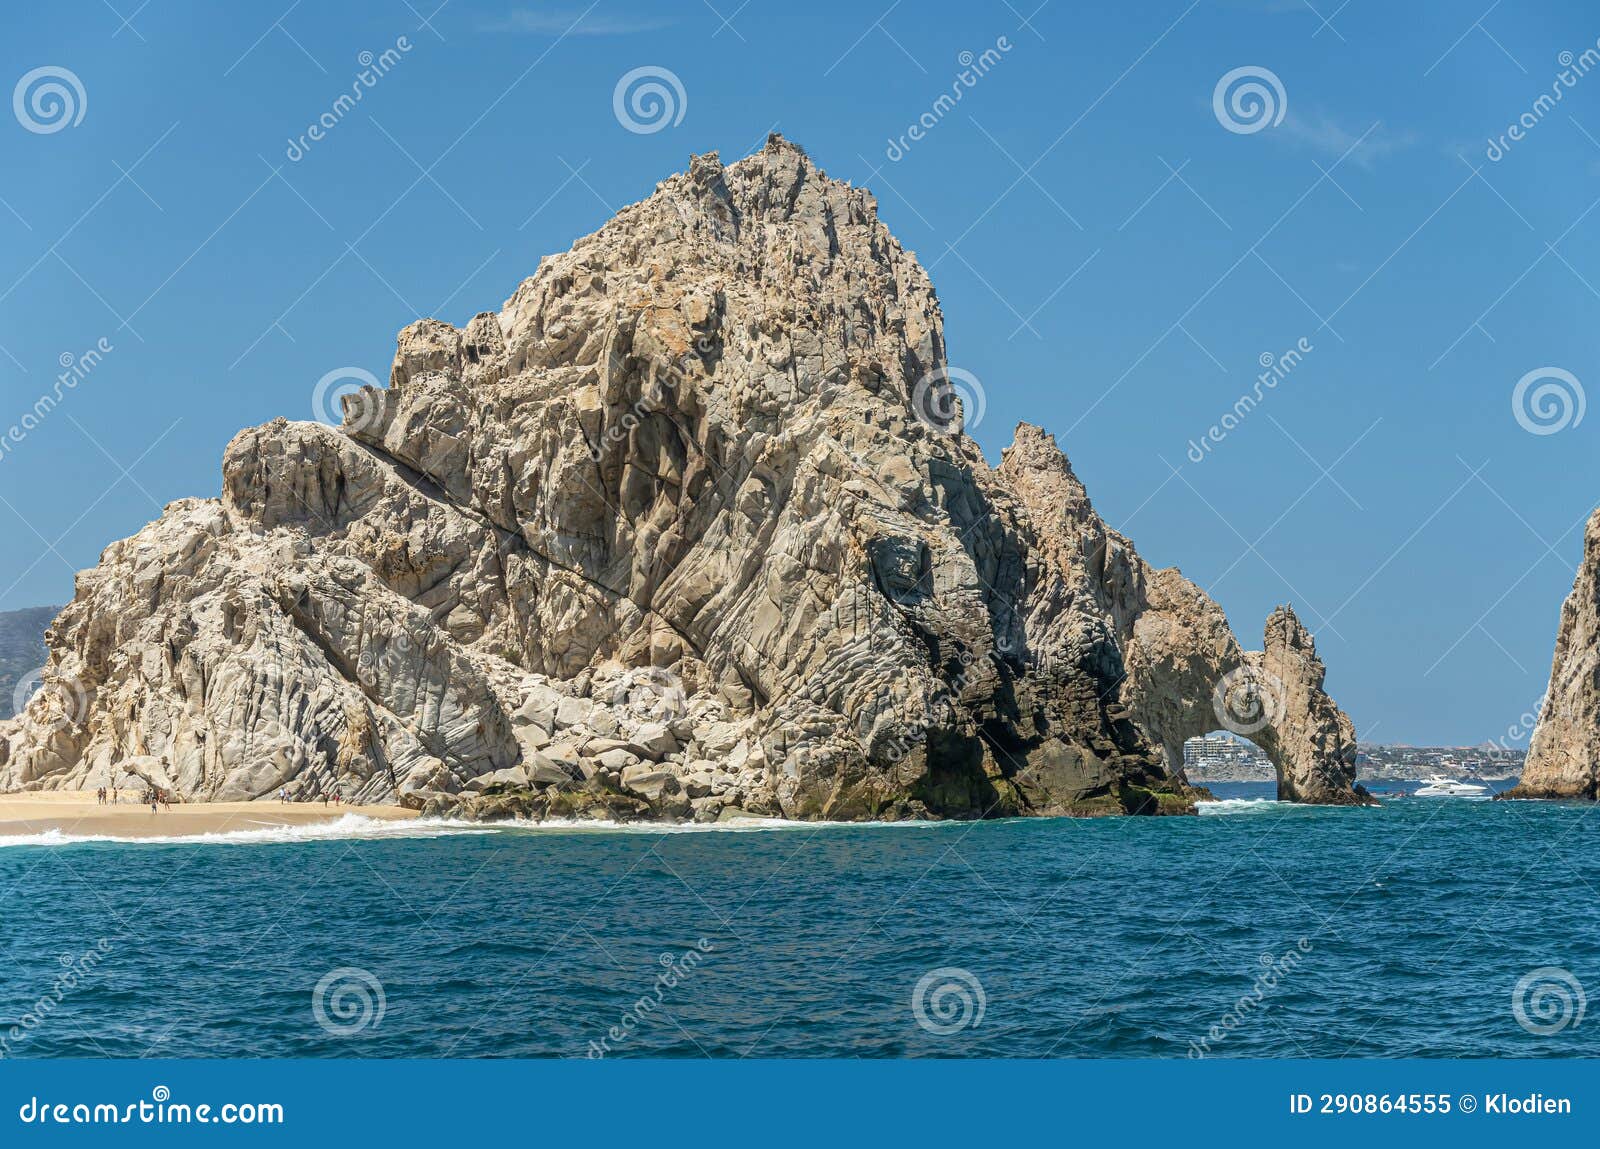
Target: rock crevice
{"points": [[1564, 750], [689, 528]]}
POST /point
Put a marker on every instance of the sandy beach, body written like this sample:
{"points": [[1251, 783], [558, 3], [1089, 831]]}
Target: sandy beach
{"points": [[76, 812]]}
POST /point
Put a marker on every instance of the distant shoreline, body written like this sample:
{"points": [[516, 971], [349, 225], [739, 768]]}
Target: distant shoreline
{"points": [[1205, 777]]}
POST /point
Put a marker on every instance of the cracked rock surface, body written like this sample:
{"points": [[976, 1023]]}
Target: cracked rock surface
{"points": [[1564, 751], [688, 529]]}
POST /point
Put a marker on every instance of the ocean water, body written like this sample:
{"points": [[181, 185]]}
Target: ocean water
{"points": [[1424, 928]]}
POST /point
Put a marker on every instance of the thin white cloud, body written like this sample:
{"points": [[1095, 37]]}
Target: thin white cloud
{"points": [[1321, 133], [559, 22]]}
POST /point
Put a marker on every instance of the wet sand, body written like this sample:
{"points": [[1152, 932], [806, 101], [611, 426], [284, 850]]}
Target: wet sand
{"points": [[76, 812]]}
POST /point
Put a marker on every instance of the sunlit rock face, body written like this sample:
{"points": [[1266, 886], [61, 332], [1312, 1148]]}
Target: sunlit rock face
{"points": [[1564, 751], [689, 528]]}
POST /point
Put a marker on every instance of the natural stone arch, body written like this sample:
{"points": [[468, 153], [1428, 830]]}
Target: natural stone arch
{"points": [[1273, 698], [1180, 663], [668, 449]]}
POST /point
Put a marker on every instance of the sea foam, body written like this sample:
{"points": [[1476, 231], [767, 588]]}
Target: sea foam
{"points": [[1239, 806], [344, 828]]}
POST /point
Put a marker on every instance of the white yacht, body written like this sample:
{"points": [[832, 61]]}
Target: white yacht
{"points": [[1439, 786]]}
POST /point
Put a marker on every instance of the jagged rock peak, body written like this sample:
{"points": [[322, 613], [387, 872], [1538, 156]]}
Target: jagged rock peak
{"points": [[1564, 751], [668, 535]]}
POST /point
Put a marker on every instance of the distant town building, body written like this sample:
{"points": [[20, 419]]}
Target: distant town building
{"points": [[1224, 758], [1217, 751]]}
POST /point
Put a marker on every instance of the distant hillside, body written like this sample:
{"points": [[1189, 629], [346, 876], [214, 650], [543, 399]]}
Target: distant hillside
{"points": [[21, 647]]}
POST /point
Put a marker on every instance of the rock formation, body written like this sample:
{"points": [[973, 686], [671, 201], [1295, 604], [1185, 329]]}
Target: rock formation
{"points": [[1564, 752], [689, 527]]}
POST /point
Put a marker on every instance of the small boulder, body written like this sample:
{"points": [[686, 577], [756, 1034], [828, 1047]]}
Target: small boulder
{"points": [[616, 759], [514, 776], [653, 740], [574, 712], [650, 784]]}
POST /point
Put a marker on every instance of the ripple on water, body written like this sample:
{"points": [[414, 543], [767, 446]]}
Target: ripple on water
{"points": [[1112, 938]]}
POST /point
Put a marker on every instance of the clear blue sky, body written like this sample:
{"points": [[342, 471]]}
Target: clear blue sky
{"points": [[1111, 259]]}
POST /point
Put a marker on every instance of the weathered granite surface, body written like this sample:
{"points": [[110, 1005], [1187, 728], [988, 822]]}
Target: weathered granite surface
{"points": [[1564, 750], [689, 528]]}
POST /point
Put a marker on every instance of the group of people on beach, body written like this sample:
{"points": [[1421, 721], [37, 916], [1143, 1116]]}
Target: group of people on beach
{"points": [[327, 796], [155, 797]]}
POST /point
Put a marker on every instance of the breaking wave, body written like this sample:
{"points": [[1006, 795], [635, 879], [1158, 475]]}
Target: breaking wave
{"points": [[347, 827], [1239, 806], [733, 826]]}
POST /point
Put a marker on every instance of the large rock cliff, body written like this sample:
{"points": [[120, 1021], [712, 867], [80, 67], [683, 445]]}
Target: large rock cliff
{"points": [[689, 526], [1564, 752]]}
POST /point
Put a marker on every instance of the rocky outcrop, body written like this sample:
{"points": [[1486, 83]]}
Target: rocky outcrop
{"points": [[689, 528], [1165, 649], [1564, 751]]}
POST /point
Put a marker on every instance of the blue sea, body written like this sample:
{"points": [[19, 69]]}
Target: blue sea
{"points": [[1433, 928]]}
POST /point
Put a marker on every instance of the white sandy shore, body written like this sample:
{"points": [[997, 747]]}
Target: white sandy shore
{"points": [[77, 813]]}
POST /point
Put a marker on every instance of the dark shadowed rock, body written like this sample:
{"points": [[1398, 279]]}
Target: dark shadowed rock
{"points": [[690, 525]]}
